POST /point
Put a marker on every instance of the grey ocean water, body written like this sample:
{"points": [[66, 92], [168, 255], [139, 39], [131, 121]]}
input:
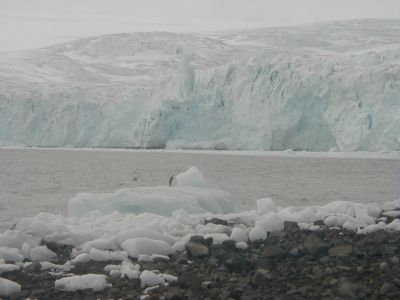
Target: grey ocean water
{"points": [[35, 180]]}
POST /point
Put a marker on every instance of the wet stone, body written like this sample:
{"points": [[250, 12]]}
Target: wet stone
{"points": [[340, 251], [196, 250], [273, 251]]}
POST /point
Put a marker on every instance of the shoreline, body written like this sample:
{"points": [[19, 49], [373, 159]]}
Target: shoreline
{"points": [[294, 263], [395, 155]]}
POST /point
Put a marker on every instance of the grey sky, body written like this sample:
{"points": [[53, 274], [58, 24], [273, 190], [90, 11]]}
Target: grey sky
{"points": [[34, 23]]}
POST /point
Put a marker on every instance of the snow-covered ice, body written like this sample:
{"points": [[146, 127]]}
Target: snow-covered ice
{"points": [[82, 282], [312, 87]]}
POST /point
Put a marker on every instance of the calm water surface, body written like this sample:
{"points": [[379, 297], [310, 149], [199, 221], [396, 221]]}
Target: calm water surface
{"points": [[34, 180]]}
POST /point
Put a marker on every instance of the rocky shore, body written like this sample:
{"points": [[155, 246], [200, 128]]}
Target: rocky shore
{"points": [[329, 263]]}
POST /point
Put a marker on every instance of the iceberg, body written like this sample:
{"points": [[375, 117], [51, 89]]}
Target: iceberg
{"points": [[312, 87]]}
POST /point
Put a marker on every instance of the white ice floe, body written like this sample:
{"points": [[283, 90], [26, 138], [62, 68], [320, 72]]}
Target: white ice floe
{"points": [[162, 200], [239, 235], [100, 255], [192, 177], [120, 235], [8, 287], [82, 282], [271, 221], [146, 246], [149, 278], [257, 233], [144, 233], [266, 205], [11, 254], [17, 238], [392, 205], [62, 268], [8, 268], [241, 245], [42, 253]]}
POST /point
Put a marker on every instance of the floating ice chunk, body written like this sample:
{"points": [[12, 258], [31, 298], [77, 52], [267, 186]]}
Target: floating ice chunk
{"points": [[169, 278], [218, 238], [109, 268], [161, 200], [81, 258], [266, 205], [372, 228], [257, 233], [149, 278], [192, 177], [8, 268], [270, 222], [239, 235], [104, 255], [306, 215], [8, 287], [16, 239], [11, 254], [145, 258], [26, 251], [241, 245], [394, 225], [392, 213], [392, 205], [143, 233], [115, 273], [130, 270], [42, 253], [136, 247], [89, 281], [179, 246], [50, 266], [100, 244]]}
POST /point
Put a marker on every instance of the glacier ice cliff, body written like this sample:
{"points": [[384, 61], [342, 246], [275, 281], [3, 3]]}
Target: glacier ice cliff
{"points": [[311, 87]]}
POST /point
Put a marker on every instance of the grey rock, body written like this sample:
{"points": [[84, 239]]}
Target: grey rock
{"points": [[383, 266], [34, 267], [340, 251], [273, 251], [216, 221], [201, 240], [261, 277], [314, 245], [394, 260], [189, 280], [317, 271], [319, 223], [386, 287], [229, 245], [324, 260], [196, 250]]}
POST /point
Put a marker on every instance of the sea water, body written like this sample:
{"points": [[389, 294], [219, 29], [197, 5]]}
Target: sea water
{"points": [[34, 180]]}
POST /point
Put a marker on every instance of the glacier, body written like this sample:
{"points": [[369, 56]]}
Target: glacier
{"points": [[317, 87]]}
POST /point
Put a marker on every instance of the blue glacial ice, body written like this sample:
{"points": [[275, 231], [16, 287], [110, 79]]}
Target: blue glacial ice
{"points": [[312, 87]]}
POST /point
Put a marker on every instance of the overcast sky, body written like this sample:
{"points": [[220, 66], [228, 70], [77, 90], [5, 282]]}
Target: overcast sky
{"points": [[34, 23]]}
